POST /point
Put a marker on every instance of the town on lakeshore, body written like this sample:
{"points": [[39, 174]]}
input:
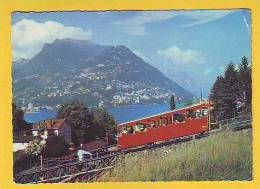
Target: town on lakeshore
{"points": [[163, 96]]}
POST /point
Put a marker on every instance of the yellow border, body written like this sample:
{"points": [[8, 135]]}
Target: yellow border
{"points": [[8, 6]]}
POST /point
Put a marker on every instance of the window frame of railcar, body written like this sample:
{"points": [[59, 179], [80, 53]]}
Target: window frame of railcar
{"points": [[152, 123], [191, 113], [138, 125], [164, 121], [204, 108], [176, 119], [124, 130], [198, 113], [120, 130], [132, 130]]}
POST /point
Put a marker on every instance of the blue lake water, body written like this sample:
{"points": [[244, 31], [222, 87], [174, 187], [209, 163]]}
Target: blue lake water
{"points": [[121, 113]]}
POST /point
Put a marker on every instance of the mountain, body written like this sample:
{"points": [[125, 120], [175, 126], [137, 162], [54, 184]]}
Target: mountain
{"points": [[77, 69], [184, 80], [21, 61]]}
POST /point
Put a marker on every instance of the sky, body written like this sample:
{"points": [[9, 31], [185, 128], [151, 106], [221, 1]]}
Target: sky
{"points": [[190, 47]]}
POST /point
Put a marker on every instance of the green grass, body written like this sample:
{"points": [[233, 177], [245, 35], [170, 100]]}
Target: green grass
{"points": [[223, 156]]}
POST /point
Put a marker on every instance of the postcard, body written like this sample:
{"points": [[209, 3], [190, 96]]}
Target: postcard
{"points": [[129, 95]]}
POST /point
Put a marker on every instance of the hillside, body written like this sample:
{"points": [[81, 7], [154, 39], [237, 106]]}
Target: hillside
{"points": [[223, 156], [112, 75]]}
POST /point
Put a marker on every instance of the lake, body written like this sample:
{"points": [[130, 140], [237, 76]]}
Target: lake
{"points": [[120, 113]]}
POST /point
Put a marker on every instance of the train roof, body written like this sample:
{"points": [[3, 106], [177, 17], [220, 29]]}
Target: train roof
{"points": [[171, 111]]}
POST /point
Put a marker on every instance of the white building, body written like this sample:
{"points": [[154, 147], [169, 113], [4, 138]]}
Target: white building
{"points": [[58, 127]]}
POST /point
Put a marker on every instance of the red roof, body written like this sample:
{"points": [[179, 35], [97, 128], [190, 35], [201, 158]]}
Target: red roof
{"points": [[95, 144], [49, 124]]}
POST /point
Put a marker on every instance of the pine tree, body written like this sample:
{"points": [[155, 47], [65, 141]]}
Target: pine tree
{"points": [[216, 96], [245, 82], [232, 90], [172, 103]]}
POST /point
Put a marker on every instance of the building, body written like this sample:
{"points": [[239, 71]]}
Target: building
{"points": [[20, 142], [94, 145], [58, 127]]}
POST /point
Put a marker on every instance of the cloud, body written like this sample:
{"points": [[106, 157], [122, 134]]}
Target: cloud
{"points": [[182, 57], [29, 36], [201, 16], [135, 25], [207, 71]]}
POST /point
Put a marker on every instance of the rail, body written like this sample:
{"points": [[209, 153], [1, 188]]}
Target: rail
{"points": [[236, 123], [50, 162], [61, 172]]}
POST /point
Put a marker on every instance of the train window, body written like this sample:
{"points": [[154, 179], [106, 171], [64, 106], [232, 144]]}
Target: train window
{"points": [[126, 130], [130, 130], [140, 127], [164, 121], [191, 114], [204, 111], [148, 125], [122, 130], [198, 113], [152, 124], [178, 117]]}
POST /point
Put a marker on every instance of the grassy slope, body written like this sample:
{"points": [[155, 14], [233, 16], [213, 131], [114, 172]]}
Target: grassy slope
{"points": [[223, 156]]}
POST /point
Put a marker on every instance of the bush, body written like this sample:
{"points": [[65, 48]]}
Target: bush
{"points": [[55, 146], [22, 160]]}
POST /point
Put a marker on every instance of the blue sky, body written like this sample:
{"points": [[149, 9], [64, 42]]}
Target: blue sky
{"points": [[190, 47]]}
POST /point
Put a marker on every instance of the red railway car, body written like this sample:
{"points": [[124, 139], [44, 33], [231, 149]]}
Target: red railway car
{"points": [[190, 120]]}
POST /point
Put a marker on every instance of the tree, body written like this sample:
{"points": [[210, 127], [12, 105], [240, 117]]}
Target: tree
{"points": [[18, 121], [232, 90], [86, 124], [55, 146], [216, 95], [172, 103], [80, 118], [245, 81], [103, 123], [35, 147], [233, 87]]}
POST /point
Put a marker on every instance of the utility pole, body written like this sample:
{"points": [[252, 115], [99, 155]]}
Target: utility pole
{"points": [[200, 95]]}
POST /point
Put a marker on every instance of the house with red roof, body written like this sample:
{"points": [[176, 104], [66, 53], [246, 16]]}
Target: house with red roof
{"points": [[49, 127]]}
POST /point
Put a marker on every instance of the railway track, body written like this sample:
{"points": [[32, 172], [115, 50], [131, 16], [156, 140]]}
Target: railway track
{"points": [[103, 159]]}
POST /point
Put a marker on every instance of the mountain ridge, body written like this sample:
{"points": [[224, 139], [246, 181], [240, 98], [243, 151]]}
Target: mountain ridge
{"points": [[110, 75]]}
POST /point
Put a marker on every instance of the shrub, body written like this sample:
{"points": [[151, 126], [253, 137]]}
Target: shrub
{"points": [[23, 160], [55, 146]]}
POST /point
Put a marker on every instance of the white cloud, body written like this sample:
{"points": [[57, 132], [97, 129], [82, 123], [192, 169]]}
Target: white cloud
{"points": [[201, 16], [207, 71], [136, 24], [182, 57], [29, 36]]}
